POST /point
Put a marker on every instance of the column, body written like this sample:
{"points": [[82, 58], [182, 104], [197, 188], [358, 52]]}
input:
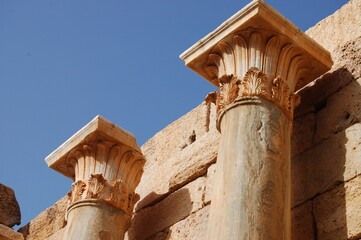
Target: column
{"points": [[106, 164], [257, 59]]}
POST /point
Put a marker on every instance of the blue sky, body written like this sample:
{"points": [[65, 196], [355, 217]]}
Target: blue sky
{"points": [[64, 62]]}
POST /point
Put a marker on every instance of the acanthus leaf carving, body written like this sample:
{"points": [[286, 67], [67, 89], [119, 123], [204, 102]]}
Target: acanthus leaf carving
{"points": [[109, 174], [254, 83], [96, 186], [259, 63]]}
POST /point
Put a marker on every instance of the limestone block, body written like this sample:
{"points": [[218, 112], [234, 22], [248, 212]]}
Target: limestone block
{"points": [[303, 225], [179, 134], [211, 172], [325, 165], [57, 235], [342, 110], [168, 172], [9, 207], [349, 56], [314, 95], [343, 25], [303, 132], [7, 233], [47, 222], [337, 212], [177, 206], [194, 227], [195, 160]]}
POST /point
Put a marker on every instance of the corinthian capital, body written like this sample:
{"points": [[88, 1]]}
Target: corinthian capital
{"points": [[105, 163], [257, 52]]}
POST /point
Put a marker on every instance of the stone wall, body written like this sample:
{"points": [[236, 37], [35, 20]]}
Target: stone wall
{"points": [[177, 182]]}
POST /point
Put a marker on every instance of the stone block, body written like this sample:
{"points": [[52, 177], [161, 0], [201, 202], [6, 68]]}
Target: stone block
{"points": [[9, 207], [168, 169], [303, 224], [338, 28], [337, 212], [7, 233], [314, 95], [349, 56], [57, 235], [326, 164], [303, 133], [47, 222], [211, 172], [194, 227], [342, 110], [177, 206]]}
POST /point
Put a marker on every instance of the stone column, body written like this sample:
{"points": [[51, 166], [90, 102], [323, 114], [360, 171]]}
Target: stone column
{"points": [[258, 60], [107, 165]]}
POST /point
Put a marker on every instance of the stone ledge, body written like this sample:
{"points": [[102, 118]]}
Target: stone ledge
{"points": [[7, 233]]}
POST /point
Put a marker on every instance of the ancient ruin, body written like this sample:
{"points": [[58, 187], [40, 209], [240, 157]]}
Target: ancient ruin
{"points": [[258, 60], [275, 154]]}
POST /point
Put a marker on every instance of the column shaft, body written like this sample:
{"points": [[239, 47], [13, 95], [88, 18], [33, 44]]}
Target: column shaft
{"points": [[94, 219], [252, 193]]}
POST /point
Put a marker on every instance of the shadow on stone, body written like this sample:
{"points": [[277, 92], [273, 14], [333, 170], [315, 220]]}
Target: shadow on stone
{"points": [[154, 221], [326, 140]]}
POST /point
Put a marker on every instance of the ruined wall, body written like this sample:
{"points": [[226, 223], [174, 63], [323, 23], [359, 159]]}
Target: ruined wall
{"points": [[326, 150]]}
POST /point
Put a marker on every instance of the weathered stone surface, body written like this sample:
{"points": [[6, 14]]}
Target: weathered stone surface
{"points": [[9, 207], [57, 235], [7, 233], [303, 224], [325, 165], [211, 172], [172, 209], [338, 28], [194, 227], [173, 161], [303, 133], [349, 56], [337, 212], [342, 110], [47, 222], [314, 95], [346, 68]]}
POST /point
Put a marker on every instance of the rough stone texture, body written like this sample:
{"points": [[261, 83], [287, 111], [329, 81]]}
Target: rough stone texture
{"points": [[338, 28], [320, 168], [194, 227], [346, 68], [338, 212], [177, 206], [7, 233], [341, 111], [303, 133], [314, 95], [187, 147], [9, 207], [47, 222], [303, 224], [211, 172], [57, 235]]}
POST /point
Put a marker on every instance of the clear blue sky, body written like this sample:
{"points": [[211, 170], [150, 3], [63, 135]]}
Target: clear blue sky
{"points": [[64, 62]]}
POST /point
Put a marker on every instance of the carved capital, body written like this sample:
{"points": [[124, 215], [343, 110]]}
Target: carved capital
{"points": [[257, 63], [105, 163], [107, 171]]}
